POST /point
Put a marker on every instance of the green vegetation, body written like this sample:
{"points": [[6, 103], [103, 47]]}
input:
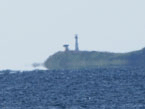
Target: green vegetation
{"points": [[85, 59]]}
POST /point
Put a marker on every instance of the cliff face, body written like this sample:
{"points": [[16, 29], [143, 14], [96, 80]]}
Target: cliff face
{"points": [[87, 60]]}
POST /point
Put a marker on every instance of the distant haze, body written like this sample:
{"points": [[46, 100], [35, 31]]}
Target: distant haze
{"points": [[32, 30]]}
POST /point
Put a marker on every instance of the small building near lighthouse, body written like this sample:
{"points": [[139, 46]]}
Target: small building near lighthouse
{"points": [[66, 46]]}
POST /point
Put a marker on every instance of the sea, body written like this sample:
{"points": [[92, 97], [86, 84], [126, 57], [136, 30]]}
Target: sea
{"points": [[100, 88]]}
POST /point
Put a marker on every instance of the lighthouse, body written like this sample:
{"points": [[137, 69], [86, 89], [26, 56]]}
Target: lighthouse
{"points": [[76, 43]]}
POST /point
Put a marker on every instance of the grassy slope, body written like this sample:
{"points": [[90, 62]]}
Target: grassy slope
{"points": [[85, 59]]}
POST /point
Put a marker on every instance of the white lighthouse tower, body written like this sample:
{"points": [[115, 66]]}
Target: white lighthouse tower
{"points": [[76, 43]]}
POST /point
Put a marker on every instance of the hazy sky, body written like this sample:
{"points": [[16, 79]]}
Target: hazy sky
{"points": [[32, 30]]}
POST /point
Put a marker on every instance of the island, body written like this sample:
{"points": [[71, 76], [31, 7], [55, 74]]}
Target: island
{"points": [[77, 59]]}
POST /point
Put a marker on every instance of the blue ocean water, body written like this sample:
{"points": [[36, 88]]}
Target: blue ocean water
{"points": [[101, 88]]}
